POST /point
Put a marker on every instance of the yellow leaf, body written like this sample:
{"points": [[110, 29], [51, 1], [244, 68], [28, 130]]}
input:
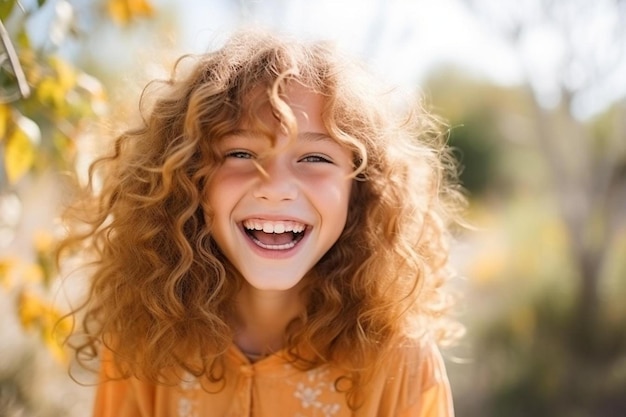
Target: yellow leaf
{"points": [[53, 88], [118, 11], [20, 148], [33, 274], [30, 309], [65, 72], [50, 92], [55, 346], [5, 114], [55, 330], [7, 265], [141, 7], [123, 11], [19, 155], [34, 311]]}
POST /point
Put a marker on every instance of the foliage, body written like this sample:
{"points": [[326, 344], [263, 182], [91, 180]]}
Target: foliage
{"points": [[542, 365], [125, 11], [43, 121], [475, 151], [531, 354], [39, 134], [483, 131], [585, 61], [528, 354]]}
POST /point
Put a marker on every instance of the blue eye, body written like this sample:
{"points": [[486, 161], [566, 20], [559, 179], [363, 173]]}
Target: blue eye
{"points": [[238, 154], [316, 158]]}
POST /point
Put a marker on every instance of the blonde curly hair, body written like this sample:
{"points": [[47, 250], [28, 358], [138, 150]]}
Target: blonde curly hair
{"points": [[161, 291]]}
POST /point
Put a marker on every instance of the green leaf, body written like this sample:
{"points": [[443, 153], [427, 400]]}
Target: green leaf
{"points": [[41, 2], [6, 7]]}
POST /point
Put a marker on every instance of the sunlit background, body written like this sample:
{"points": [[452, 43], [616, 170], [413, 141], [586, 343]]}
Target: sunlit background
{"points": [[534, 94]]}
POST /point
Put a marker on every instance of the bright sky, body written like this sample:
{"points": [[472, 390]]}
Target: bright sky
{"points": [[413, 35], [404, 39]]}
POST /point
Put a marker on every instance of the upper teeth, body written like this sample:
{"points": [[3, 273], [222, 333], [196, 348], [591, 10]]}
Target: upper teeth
{"points": [[274, 227]]}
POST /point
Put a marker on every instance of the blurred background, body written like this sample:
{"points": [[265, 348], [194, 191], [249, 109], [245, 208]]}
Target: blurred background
{"points": [[534, 92]]}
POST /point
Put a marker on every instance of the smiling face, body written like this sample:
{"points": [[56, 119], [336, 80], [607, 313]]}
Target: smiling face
{"points": [[278, 208]]}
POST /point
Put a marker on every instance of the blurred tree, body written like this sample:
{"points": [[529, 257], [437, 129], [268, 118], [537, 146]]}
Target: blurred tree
{"points": [[474, 148], [572, 52], [477, 130]]}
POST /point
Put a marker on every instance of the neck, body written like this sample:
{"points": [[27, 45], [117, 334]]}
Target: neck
{"points": [[262, 318]]}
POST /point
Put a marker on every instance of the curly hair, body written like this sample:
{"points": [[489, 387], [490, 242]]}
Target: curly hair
{"points": [[160, 286]]}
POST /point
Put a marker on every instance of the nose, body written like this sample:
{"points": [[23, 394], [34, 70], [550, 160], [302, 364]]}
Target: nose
{"points": [[276, 180]]}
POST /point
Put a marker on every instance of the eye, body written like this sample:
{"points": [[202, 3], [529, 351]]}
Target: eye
{"points": [[239, 154], [316, 158]]}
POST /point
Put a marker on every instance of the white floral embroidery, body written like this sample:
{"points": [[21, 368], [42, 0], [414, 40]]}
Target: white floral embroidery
{"points": [[189, 383], [308, 394], [330, 409], [187, 406]]}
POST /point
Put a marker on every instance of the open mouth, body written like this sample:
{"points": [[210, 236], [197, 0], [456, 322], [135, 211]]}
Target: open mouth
{"points": [[274, 235]]}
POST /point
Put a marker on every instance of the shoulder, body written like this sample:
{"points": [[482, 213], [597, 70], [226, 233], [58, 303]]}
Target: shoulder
{"points": [[416, 360], [412, 367], [412, 373]]}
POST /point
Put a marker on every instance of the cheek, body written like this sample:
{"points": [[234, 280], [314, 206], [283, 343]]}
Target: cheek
{"points": [[338, 203], [221, 190], [218, 201], [346, 193]]}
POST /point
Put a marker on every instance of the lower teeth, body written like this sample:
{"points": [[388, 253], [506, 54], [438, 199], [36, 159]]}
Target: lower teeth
{"points": [[275, 247]]}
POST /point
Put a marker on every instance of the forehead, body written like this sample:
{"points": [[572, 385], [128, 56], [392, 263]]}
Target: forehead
{"points": [[265, 104], [299, 96]]}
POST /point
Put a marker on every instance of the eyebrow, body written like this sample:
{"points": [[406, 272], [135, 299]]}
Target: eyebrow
{"points": [[315, 136], [307, 136]]}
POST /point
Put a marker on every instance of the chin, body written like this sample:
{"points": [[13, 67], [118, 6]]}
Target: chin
{"points": [[274, 283]]}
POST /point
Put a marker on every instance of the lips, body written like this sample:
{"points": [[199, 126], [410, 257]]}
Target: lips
{"points": [[273, 235]]}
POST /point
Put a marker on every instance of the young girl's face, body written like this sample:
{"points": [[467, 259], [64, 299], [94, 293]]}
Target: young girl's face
{"points": [[278, 210]]}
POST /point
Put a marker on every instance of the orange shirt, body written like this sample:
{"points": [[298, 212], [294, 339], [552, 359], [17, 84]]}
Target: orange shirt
{"points": [[413, 383]]}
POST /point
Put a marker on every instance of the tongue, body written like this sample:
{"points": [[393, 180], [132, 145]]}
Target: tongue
{"points": [[273, 238]]}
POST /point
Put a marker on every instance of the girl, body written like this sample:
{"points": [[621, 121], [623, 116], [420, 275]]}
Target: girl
{"points": [[270, 241]]}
